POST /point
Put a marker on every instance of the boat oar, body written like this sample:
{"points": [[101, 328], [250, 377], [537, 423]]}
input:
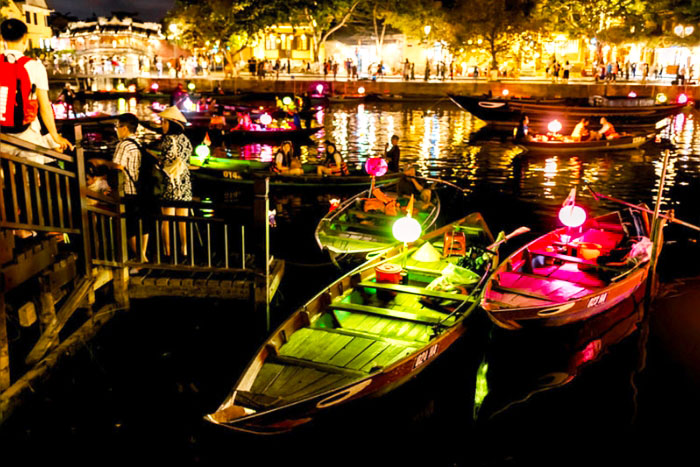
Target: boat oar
{"points": [[438, 180], [597, 196], [515, 233]]}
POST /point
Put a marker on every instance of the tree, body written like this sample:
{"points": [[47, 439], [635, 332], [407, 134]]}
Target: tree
{"points": [[232, 24], [323, 17], [495, 29]]}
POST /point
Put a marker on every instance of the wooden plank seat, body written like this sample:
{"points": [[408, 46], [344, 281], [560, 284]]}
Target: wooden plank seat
{"points": [[324, 367], [569, 259], [369, 335], [396, 314], [358, 226], [523, 292], [539, 287], [415, 290], [373, 214]]}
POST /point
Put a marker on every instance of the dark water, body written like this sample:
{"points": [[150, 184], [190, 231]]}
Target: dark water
{"points": [[610, 391]]}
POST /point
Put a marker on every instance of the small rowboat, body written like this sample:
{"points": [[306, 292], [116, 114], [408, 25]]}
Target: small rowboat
{"points": [[359, 337], [349, 229], [340, 98], [555, 279], [245, 172], [622, 142]]}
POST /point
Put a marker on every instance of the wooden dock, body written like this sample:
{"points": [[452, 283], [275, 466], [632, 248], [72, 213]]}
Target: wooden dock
{"points": [[70, 275]]}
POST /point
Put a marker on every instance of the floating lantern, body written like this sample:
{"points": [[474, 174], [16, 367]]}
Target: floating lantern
{"points": [[188, 105], [661, 98], [191, 86], [554, 126], [286, 100], [572, 215], [319, 89], [265, 119], [376, 166], [632, 94], [505, 92], [154, 87], [406, 229], [202, 151], [682, 99], [361, 90]]}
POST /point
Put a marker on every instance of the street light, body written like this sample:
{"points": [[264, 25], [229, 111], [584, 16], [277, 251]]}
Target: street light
{"points": [[426, 29], [683, 31]]}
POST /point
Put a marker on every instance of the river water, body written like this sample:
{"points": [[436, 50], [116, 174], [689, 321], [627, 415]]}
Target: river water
{"points": [[615, 389]]}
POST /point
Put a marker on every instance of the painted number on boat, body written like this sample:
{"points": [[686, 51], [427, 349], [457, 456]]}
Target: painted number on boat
{"points": [[229, 174], [425, 356], [597, 300]]}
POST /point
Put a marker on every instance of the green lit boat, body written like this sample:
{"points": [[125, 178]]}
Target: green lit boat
{"points": [[349, 229], [363, 336], [245, 172]]}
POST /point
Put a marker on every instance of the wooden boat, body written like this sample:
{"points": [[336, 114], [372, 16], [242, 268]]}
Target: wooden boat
{"points": [[621, 112], [348, 229], [564, 144], [245, 172], [403, 97], [270, 135], [358, 337], [340, 98], [550, 281]]}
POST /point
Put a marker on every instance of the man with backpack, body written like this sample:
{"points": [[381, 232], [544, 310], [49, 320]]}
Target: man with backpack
{"points": [[24, 96], [143, 182]]}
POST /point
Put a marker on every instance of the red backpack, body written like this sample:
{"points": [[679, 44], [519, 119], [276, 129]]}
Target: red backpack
{"points": [[18, 104]]}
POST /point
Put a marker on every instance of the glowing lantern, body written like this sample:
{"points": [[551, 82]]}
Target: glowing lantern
{"points": [[286, 100], [572, 215], [682, 99], [191, 86], [505, 92], [132, 88], [154, 87], [554, 126], [361, 90], [632, 94], [406, 229], [376, 166], [661, 98], [188, 105], [265, 119], [202, 151], [121, 87], [319, 89]]}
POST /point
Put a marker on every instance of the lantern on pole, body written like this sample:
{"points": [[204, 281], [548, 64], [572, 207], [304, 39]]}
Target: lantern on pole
{"points": [[571, 215], [376, 166]]}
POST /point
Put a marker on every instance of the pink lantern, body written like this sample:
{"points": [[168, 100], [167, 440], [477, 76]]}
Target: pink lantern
{"points": [[376, 166], [632, 94], [572, 215], [682, 99], [154, 87]]}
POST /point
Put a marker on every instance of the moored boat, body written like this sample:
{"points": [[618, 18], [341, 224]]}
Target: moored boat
{"points": [[353, 227], [621, 112], [565, 144], [559, 278], [240, 136], [363, 335], [245, 172]]}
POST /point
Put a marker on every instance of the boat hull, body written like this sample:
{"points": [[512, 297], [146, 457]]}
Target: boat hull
{"points": [[506, 113], [623, 142]]}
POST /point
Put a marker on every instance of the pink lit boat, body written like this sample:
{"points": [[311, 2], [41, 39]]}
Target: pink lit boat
{"points": [[559, 279]]}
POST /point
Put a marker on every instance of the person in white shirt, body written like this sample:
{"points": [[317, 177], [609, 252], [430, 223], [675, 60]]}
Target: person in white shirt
{"points": [[14, 35]]}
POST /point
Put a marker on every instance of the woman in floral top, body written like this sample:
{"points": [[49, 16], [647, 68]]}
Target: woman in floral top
{"points": [[176, 150]]}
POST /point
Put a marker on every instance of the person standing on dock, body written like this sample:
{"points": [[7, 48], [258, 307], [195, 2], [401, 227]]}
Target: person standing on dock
{"points": [[175, 154], [393, 155], [34, 88]]}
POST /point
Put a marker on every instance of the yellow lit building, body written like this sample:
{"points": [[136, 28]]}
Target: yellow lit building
{"points": [[35, 13], [285, 42]]}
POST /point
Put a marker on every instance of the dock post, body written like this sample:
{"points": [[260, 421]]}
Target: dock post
{"points": [[4, 348], [261, 221]]}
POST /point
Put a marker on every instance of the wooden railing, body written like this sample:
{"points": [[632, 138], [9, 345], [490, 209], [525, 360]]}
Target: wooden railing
{"points": [[53, 197]]}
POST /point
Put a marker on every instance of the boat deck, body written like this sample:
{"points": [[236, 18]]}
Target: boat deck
{"points": [[368, 328]]}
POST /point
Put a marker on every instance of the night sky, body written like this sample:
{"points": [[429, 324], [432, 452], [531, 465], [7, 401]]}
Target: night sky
{"points": [[151, 10]]}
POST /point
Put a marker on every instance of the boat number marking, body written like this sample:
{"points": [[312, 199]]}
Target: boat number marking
{"points": [[597, 300], [425, 356], [229, 174]]}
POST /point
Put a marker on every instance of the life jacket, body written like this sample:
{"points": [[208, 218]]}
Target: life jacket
{"points": [[381, 202], [330, 163], [19, 106]]}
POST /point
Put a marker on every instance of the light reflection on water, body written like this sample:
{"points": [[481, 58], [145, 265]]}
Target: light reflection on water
{"points": [[444, 141]]}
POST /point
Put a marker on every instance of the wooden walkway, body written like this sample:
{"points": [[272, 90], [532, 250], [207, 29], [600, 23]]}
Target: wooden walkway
{"points": [[54, 282]]}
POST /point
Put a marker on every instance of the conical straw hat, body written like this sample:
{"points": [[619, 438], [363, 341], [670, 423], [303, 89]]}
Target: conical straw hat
{"points": [[173, 113], [427, 254]]}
